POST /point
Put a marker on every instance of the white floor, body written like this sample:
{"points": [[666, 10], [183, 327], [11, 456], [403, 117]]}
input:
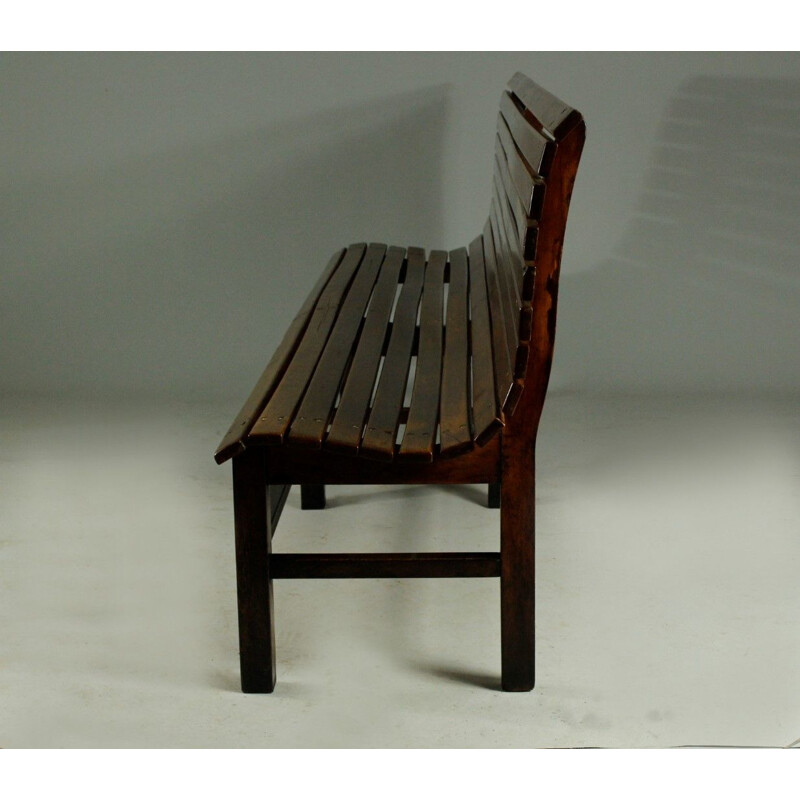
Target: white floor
{"points": [[668, 602]]}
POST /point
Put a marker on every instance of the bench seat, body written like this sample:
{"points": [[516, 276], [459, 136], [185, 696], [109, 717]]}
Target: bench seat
{"points": [[391, 359]]}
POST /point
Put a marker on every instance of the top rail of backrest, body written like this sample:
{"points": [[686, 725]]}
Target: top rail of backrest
{"points": [[550, 115]]}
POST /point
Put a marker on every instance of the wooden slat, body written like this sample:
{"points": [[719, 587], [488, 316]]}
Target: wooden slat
{"points": [[502, 348], [274, 421], [526, 225], [454, 423], [505, 278], [487, 416], [232, 442], [311, 420], [385, 565], [518, 318], [297, 465], [518, 212], [530, 188], [536, 149], [552, 113], [348, 422], [381, 429], [419, 437], [510, 242]]}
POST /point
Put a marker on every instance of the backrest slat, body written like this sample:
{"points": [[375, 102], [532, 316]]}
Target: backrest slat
{"points": [[537, 150], [553, 115], [524, 232], [519, 212]]}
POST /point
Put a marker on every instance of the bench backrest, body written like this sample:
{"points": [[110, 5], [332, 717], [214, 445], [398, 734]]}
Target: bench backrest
{"points": [[537, 149]]}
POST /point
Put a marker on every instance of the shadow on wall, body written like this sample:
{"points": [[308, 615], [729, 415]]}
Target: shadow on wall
{"points": [[179, 272], [703, 291]]}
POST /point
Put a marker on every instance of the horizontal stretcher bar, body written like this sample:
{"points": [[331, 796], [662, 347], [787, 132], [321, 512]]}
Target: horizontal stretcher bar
{"points": [[385, 565]]}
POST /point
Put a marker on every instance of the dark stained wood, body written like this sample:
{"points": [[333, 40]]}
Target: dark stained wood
{"points": [[486, 404], [312, 417], [252, 517], [454, 421], [312, 496], [497, 254], [381, 431], [523, 215], [507, 193], [551, 242], [546, 110], [517, 549], [351, 415], [232, 442], [517, 508], [529, 188], [296, 465], [502, 348], [276, 500], [419, 437], [385, 565], [493, 500], [327, 412], [273, 422]]}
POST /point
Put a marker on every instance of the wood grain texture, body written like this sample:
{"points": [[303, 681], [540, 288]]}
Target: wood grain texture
{"points": [[311, 421], [454, 416], [419, 437], [486, 384], [381, 430], [351, 415], [546, 111], [275, 419], [329, 406], [233, 441]]}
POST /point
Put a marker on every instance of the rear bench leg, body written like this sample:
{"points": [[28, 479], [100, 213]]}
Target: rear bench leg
{"points": [[254, 586], [517, 596], [494, 495], [312, 496]]}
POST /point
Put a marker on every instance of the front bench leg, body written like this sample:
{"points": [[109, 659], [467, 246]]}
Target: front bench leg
{"points": [[254, 586], [517, 587], [312, 496]]}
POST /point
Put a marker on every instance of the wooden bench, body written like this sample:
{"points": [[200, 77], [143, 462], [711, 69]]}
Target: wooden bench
{"points": [[329, 407]]}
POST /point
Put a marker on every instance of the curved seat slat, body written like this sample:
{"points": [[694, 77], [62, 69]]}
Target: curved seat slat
{"points": [[419, 437], [233, 441], [274, 421], [310, 423], [351, 415], [384, 419]]}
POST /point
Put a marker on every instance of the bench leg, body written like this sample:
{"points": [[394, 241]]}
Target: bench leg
{"points": [[254, 586], [312, 496], [494, 496], [517, 573]]}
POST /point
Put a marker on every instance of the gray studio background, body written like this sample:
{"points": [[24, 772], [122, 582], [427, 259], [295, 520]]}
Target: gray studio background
{"points": [[163, 215], [162, 218]]}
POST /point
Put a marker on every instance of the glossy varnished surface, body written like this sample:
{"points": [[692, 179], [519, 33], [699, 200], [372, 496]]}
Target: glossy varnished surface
{"points": [[376, 328], [408, 367]]}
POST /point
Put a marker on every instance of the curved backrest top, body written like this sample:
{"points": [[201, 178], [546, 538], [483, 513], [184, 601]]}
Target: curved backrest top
{"points": [[549, 114]]}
